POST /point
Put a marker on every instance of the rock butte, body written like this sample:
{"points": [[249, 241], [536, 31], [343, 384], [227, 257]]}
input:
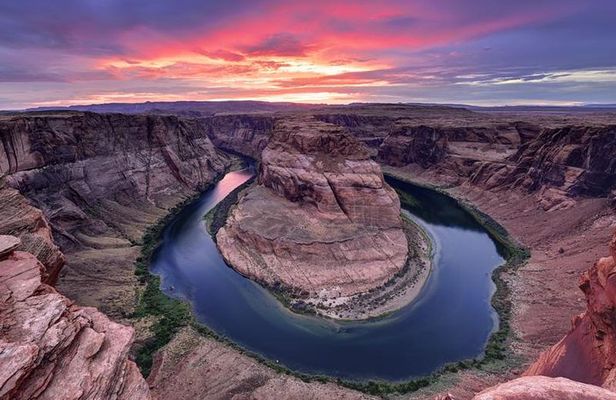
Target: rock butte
{"points": [[91, 183], [321, 221]]}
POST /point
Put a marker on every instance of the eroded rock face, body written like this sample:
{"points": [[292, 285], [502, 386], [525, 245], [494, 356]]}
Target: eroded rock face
{"points": [[19, 218], [400, 135], [556, 158], [52, 349], [543, 388], [575, 159], [244, 134], [321, 166], [98, 181], [421, 145], [588, 352], [321, 220], [71, 163]]}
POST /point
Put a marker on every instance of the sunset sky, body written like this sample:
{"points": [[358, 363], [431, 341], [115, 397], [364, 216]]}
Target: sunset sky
{"points": [[484, 52]]}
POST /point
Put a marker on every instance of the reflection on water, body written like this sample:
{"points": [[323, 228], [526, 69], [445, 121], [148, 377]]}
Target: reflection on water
{"points": [[432, 206], [451, 321]]}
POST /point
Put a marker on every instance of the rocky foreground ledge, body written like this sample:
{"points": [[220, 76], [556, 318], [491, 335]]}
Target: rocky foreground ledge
{"points": [[53, 349], [544, 388], [321, 224], [588, 352]]}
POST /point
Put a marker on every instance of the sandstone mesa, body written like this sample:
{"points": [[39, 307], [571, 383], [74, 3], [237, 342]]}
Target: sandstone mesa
{"points": [[321, 221]]}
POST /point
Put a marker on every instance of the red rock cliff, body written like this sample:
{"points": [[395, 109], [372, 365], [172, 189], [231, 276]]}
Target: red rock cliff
{"points": [[588, 352], [53, 349]]}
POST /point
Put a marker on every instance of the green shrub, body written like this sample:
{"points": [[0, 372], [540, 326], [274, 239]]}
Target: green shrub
{"points": [[169, 315]]}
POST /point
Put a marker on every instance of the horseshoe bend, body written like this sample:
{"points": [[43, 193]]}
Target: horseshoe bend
{"points": [[321, 220], [348, 200], [334, 242]]}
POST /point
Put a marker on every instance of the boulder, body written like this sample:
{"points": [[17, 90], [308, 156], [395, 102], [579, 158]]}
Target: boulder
{"points": [[8, 244]]}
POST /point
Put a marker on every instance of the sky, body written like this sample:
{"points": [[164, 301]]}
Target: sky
{"points": [[481, 52]]}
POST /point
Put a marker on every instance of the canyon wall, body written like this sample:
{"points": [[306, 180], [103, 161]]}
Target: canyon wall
{"points": [[558, 158], [325, 167], [84, 167], [578, 160], [422, 145], [321, 220], [242, 134], [424, 130], [91, 184], [100, 180]]}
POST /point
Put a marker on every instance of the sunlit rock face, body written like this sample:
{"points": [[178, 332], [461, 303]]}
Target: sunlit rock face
{"points": [[321, 166], [588, 352], [321, 219], [51, 348]]}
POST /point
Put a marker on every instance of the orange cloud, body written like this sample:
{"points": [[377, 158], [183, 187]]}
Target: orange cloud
{"points": [[321, 50]]}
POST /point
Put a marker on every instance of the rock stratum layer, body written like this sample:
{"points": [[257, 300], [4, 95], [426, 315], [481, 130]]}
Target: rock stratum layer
{"points": [[53, 349], [321, 220]]}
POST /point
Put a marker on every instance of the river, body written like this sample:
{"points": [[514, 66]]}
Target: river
{"points": [[451, 319]]}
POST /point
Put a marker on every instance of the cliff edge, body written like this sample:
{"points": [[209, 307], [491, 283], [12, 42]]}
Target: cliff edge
{"points": [[50, 348]]}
